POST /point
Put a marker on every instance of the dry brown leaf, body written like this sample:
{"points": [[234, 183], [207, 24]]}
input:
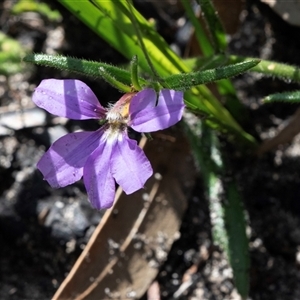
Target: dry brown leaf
{"points": [[285, 135], [287, 10]]}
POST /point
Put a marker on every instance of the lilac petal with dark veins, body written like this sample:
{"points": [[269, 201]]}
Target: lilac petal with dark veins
{"points": [[145, 116], [63, 163], [129, 165], [68, 98], [98, 179]]}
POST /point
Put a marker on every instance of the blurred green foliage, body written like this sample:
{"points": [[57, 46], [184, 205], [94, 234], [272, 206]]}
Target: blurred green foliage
{"points": [[41, 8], [11, 52]]}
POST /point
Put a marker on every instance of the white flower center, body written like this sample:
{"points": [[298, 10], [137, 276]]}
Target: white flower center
{"points": [[113, 133], [119, 113], [117, 119]]}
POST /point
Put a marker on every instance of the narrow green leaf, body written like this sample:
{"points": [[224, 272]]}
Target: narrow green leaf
{"points": [[203, 41], [200, 140], [111, 21], [225, 204], [134, 73], [186, 81], [80, 66], [215, 26], [113, 82], [266, 67], [238, 241], [272, 68], [205, 63], [291, 97]]}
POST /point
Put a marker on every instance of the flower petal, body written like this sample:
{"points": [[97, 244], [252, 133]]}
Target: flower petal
{"points": [[129, 165], [69, 98], [98, 179], [145, 116], [63, 163]]}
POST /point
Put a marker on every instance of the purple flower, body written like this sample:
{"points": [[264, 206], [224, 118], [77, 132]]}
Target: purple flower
{"points": [[108, 154]]}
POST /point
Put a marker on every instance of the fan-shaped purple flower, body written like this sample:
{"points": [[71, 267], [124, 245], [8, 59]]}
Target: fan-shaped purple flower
{"points": [[108, 154]]}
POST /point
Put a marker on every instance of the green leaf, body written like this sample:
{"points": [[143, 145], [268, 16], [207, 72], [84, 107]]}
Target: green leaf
{"points": [[11, 52], [266, 67], [204, 63], [215, 26], [225, 203], [200, 33], [238, 252], [186, 81], [80, 66], [272, 68], [113, 81], [134, 73], [292, 97], [42, 8], [111, 21]]}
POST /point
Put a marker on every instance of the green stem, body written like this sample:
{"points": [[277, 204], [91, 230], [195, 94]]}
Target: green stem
{"points": [[112, 81], [141, 42], [134, 73], [272, 68]]}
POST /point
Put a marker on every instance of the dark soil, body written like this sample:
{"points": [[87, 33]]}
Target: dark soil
{"points": [[42, 230]]}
